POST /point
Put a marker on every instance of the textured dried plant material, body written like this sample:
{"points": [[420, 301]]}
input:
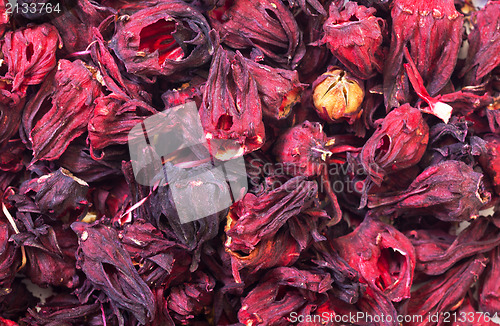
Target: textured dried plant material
{"points": [[290, 240], [435, 256], [384, 257], [474, 316], [280, 292], [9, 257], [192, 298], [71, 92], [279, 89], [432, 30], [449, 191], [484, 44], [446, 292], [255, 217], [439, 109], [338, 96], [489, 287], [59, 193], [490, 160], [75, 24], [166, 38], [4, 17], [302, 149], [109, 268], [50, 251], [399, 142], [354, 35], [114, 116], [30, 54], [231, 108], [266, 25]]}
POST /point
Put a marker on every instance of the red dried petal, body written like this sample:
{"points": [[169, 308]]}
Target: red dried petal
{"points": [[30, 54], [355, 35], [71, 92], [163, 39]]}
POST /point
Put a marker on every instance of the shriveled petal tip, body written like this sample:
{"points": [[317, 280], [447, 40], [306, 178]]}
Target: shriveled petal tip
{"points": [[441, 110]]}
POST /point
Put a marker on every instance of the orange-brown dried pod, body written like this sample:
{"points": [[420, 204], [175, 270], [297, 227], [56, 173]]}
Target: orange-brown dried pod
{"points": [[338, 96]]}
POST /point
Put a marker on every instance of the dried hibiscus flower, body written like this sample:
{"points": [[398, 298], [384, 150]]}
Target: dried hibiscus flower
{"points": [[484, 44], [231, 111], [30, 54], [164, 39], [399, 142], [355, 35], [432, 30], [109, 268], [450, 191], [263, 24], [435, 256], [384, 257], [66, 97]]}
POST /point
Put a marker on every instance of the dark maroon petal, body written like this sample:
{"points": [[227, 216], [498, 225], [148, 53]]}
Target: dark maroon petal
{"points": [[264, 24], [450, 191], [50, 252], [435, 256], [254, 217], [9, 257], [192, 298], [484, 44], [113, 119], [281, 291], [489, 293], [384, 257], [108, 266], [75, 25], [490, 160], [445, 292]]}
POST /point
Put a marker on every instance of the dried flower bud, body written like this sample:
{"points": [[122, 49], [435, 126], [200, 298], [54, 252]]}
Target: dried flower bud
{"points": [[384, 257], [484, 44], [490, 160], [279, 89], [432, 30], [450, 191], [354, 35], [30, 54], [68, 100], [9, 257], [264, 24], [108, 268], [445, 292], [437, 251], [163, 39], [231, 108], [338, 96], [302, 148], [280, 292], [398, 143]]}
